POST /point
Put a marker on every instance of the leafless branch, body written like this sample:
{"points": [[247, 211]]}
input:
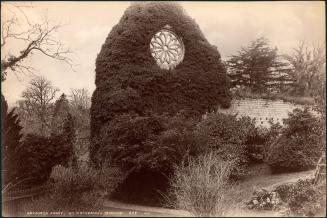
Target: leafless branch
{"points": [[37, 37], [80, 98]]}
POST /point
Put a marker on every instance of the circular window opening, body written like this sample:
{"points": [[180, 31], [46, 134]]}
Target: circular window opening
{"points": [[167, 48]]}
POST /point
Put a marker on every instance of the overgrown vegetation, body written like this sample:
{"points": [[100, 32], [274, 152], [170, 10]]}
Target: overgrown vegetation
{"points": [[155, 142], [36, 156], [148, 147], [300, 144], [304, 198], [29, 160], [128, 80], [147, 122], [227, 135]]}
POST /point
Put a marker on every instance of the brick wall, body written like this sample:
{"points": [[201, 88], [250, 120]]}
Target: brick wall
{"points": [[261, 109]]}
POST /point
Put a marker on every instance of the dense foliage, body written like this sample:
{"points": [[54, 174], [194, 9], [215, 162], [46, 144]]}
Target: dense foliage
{"points": [[257, 67], [30, 161], [38, 155], [128, 80], [154, 142], [60, 112], [10, 140], [147, 148], [300, 144], [229, 136]]}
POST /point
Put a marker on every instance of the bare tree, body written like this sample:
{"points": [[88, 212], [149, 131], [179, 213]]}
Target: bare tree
{"points": [[37, 101], [308, 64], [34, 37], [80, 103], [80, 98]]}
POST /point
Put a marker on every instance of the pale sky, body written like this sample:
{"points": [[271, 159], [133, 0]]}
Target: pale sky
{"points": [[228, 25]]}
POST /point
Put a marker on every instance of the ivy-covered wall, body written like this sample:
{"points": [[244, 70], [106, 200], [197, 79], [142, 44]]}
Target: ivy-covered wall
{"points": [[128, 79]]}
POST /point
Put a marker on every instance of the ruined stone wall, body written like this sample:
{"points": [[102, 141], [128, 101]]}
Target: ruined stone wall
{"points": [[261, 109]]}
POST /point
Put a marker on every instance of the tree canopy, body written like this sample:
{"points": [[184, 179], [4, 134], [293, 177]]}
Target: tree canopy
{"points": [[257, 66]]}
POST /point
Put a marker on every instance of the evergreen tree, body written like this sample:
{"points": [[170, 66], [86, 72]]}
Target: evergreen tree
{"points": [[257, 66], [69, 137], [11, 136], [60, 112]]}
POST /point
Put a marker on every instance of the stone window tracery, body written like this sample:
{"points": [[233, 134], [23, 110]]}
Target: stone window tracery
{"points": [[167, 48]]}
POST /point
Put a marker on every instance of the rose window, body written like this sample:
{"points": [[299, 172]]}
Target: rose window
{"points": [[167, 49]]}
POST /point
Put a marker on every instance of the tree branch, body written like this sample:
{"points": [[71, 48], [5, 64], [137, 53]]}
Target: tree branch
{"points": [[37, 37]]}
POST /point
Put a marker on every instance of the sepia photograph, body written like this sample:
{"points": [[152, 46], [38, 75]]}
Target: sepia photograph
{"points": [[163, 108]]}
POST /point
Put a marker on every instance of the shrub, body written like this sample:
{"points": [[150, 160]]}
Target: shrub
{"points": [[69, 137], [255, 144], [304, 198], [128, 80], [72, 190], [227, 135], [202, 186], [300, 144], [29, 161], [68, 191], [259, 140], [38, 155], [60, 112], [76, 191], [153, 142]]}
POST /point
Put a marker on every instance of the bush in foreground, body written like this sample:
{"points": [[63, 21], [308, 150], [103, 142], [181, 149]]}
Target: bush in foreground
{"points": [[304, 198], [202, 186], [300, 144], [71, 190], [78, 190]]}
